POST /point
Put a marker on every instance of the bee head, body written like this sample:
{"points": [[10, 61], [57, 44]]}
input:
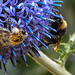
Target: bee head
{"points": [[23, 32]]}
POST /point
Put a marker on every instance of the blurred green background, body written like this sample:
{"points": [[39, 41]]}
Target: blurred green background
{"points": [[68, 11]]}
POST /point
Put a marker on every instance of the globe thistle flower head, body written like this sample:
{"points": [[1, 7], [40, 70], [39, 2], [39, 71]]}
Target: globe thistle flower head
{"points": [[32, 18]]}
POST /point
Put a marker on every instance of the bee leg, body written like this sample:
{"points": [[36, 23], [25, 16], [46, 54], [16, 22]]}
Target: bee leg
{"points": [[56, 47]]}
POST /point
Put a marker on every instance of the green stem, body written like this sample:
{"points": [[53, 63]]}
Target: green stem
{"points": [[50, 65]]}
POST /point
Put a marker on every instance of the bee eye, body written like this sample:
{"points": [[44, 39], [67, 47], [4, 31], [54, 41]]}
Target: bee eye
{"points": [[24, 32]]}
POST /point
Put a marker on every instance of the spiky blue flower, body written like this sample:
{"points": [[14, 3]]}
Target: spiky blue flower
{"points": [[35, 17]]}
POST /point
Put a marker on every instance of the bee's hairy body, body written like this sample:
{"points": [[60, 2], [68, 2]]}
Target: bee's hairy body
{"points": [[8, 39], [11, 40]]}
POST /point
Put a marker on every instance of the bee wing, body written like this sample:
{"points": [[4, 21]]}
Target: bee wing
{"points": [[4, 32]]}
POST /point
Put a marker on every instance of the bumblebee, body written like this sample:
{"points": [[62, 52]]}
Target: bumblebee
{"points": [[8, 39], [61, 26]]}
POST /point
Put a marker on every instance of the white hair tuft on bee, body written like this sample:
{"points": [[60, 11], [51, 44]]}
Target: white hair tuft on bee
{"points": [[15, 30]]}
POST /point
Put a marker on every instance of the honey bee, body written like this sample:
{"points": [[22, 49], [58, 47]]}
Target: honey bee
{"points": [[61, 26], [8, 39]]}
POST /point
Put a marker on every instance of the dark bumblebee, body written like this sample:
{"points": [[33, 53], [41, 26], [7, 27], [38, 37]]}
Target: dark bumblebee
{"points": [[60, 25]]}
